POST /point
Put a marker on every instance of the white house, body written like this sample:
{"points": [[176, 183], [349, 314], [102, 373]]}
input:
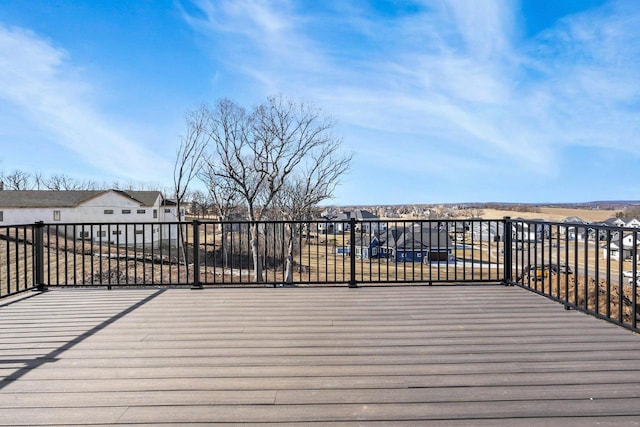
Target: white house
{"points": [[367, 222], [631, 222], [628, 249], [488, 231], [116, 216]]}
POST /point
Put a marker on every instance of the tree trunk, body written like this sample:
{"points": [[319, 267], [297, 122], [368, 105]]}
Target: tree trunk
{"points": [[257, 261], [291, 248], [182, 241], [225, 252]]}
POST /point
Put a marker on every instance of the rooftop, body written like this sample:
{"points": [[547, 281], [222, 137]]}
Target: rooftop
{"points": [[442, 355], [66, 198]]}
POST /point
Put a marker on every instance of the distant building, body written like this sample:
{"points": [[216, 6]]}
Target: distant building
{"points": [[106, 207], [415, 243], [339, 222]]}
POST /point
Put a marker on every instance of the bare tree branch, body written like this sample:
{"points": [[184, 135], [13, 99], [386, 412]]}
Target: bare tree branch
{"points": [[282, 154], [189, 154], [16, 180]]}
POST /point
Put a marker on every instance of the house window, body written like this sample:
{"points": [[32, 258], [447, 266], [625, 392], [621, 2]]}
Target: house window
{"points": [[1, 216], [126, 211], [116, 232], [84, 235], [101, 233], [56, 215], [167, 210], [139, 231], [108, 211], [155, 213], [141, 211]]}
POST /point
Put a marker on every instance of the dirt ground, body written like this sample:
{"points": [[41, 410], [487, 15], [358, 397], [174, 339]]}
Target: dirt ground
{"points": [[553, 214]]}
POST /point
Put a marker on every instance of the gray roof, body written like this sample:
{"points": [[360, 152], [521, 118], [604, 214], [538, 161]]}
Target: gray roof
{"points": [[574, 220], [416, 237], [363, 215], [66, 199], [146, 198]]}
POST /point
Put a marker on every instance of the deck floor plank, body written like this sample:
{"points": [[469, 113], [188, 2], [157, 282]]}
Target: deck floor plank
{"points": [[442, 355]]}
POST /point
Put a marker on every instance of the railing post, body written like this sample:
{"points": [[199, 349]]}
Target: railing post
{"points": [[508, 252], [352, 253], [38, 244], [196, 255]]}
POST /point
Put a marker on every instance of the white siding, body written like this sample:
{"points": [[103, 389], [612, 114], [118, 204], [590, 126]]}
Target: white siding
{"points": [[105, 226]]}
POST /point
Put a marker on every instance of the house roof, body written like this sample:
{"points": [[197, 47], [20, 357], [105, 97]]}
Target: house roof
{"points": [[66, 199], [146, 198], [416, 237], [361, 214], [613, 221], [574, 220]]}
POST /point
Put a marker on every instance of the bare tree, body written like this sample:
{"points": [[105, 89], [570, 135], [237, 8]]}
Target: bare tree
{"points": [[189, 154], [224, 198], [259, 152], [632, 211], [475, 212], [199, 203], [222, 192], [38, 180], [16, 180], [62, 182], [188, 162], [302, 194]]}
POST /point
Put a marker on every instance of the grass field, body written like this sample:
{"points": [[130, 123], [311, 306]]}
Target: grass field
{"points": [[553, 214]]}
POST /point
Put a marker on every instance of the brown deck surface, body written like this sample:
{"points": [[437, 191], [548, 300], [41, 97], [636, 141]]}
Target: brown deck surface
{"points": [[441, 355]]}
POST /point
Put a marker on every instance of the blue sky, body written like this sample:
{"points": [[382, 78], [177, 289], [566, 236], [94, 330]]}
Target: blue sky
{"points": [[440, 101]]}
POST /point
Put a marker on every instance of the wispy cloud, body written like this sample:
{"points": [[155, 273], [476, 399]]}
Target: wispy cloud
{"points": [[38, 79], [451, 80]]}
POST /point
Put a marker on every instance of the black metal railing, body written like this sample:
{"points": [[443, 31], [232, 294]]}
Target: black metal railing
{"points": [[592, 268], [588, 267], [202, 253]]}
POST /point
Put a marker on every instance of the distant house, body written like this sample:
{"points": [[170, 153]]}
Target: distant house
{"points": [[416, 243], [614, 222], [574, 232], [340, 223], [579, 233], [521, 232], [325, 226], [65, 208], [367, 221], [367, 246], [631, 222], [629, 248], [487, 231], [574, 220], [530, 231]]}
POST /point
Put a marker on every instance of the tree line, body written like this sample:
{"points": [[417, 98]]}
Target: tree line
{"points": [[18, 179]]}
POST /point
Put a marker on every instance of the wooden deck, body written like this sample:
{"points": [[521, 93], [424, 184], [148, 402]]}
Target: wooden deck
{"points": [[441, 355]]}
